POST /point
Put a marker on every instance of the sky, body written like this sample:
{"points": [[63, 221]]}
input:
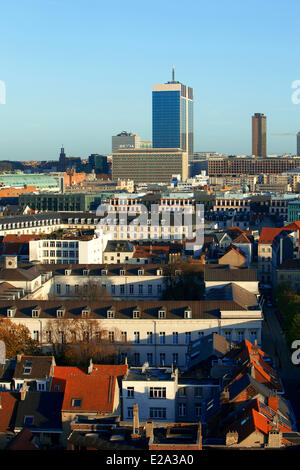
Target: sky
{"points": [[77, 72]]}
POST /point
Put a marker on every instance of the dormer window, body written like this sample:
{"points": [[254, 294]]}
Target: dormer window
{"points": [[140, 272], [161, 314], [159, 272], [85, 312], [60, 312], [136, 314], [188, 313], [177, 272], [11, 312], [36, 312], [122, 272], [110, 314], [85, 272], [68, 272], [104, 272]]}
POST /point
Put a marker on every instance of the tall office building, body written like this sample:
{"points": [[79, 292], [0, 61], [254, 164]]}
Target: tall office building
{"points": [[172, 116], [298, 144], [259, 135]]}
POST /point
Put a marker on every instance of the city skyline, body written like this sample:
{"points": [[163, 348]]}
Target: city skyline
{"points": [[81, 89]]}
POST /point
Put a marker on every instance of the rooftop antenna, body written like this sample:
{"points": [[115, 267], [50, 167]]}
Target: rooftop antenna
{"points": [[173, 74]]}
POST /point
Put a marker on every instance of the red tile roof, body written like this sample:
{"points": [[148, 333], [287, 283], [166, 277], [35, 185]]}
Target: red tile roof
{"points": [[19, 238], [269, 233], [96, 393], [107, 369], [61, 374], [8, 404]]}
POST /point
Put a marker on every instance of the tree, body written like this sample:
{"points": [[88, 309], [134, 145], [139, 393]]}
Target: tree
{"points": [[17, 339], [76, 340], [183, 281]]}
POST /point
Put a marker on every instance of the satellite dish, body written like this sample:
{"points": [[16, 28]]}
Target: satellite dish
{"points": [[2, 352]]}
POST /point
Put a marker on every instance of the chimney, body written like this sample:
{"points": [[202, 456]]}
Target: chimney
{"points": [[225, 395], [252, 371], [19, 357], [232, 438], [136, 423], [23, 391], [149, 428], [126, 360], [90, 368]]}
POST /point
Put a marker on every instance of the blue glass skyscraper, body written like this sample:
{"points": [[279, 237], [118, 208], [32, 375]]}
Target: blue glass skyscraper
{"points": [[172, 116]]}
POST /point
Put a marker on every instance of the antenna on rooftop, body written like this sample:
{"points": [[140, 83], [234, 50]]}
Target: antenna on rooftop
{"points": [[173, 73]]}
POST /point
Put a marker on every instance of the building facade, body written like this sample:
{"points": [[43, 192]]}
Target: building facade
{"points": [[259, 135], [172, 116]]}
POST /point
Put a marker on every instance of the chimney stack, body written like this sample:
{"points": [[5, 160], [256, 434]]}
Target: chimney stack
{"points": [[149, 429], [23, 391], [90, 368], [19, 357], [136, 422]]}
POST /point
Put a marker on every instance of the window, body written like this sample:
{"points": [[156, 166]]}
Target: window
{"points": [[76, 402], [182, 409], [182, 391], [48, 337], [41, 387], [150, 359], [161, 314], [35, 312], [124, 336], [198, 392], [158, 413], [157, 392], [36, 335], [175, 337], [131, 288], [110, 314], [136, 358], [159, 289], [28, 420], [136, 336], [162, 337], [58, 288], [111, 336], [162, 359], [149, 289], [198, 410], [113, 289], [130, 392], [67, 289], [149, 337], [140, 288], [130, 412], [136, 314], [187, 337], [60, 313], [175, 358]]}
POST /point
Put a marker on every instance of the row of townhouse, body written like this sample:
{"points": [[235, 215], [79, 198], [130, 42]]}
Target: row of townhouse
{"points": [[123, 281], [158, 332]]}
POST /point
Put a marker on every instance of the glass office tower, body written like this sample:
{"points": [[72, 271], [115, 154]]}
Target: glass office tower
{"points": [[172, 116]]}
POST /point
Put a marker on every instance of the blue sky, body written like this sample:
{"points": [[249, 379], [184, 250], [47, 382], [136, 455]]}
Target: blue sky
{"points": [[78, 72]]}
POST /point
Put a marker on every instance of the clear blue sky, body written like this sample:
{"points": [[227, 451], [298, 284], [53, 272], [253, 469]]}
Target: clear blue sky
{"points": [[78, 72]]}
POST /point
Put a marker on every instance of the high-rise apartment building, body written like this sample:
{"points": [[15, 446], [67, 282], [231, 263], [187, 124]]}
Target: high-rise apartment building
{"points": [[172, 116], [259, 135]]}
